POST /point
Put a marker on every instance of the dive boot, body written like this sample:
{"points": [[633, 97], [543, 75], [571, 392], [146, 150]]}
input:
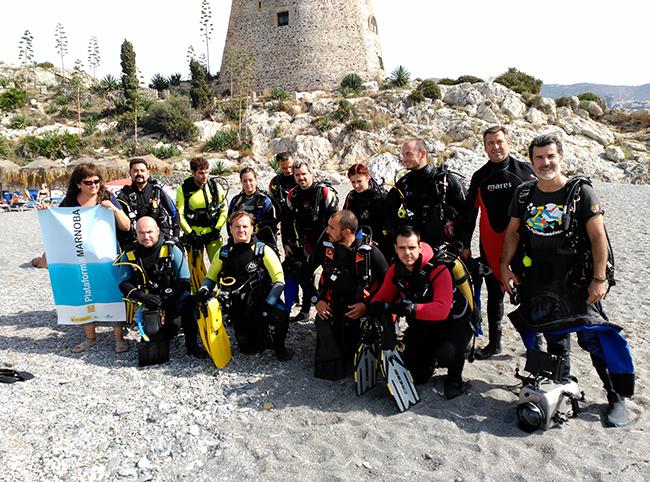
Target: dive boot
{"points": [[617, 414], [454, 387], [494, 345], [300, 317], [282, 353]]}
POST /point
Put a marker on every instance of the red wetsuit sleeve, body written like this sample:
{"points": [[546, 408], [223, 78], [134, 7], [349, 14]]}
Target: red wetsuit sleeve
{"points": [[388, 291], [439, 308]]}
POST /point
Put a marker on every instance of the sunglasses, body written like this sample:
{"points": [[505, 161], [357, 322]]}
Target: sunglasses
{"points": [[96, 182]]}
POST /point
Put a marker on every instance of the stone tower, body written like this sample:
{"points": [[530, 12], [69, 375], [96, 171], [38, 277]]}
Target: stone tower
{"points": [[303, 45]]}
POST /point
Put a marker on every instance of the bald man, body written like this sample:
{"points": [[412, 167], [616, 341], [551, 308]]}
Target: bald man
{"points": [[161, 283]]}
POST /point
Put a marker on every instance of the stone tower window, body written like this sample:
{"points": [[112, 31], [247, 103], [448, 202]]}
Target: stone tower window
{"points": [[372, 24], [283, 19], [259, 4]]}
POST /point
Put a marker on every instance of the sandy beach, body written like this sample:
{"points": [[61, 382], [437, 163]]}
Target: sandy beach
{"points": [[97, 416]]}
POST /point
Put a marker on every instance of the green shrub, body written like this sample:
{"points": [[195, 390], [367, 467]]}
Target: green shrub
{"points": [[110, 142], [563, 102], [172, 118], [415, 97], [519, 81], [587, 96], [12, 99], [223, 140], [90, 124], [278, 93], [52, 146], [61, 100], [468, 78], [358, 124], [175, 79], [429, 89], [220, 169], [45, 65], [5, 147], [280, 106], [20, 122], [352, 83], [164, 152], [322, 123], [344, 112], [159, 83], [200, 93], [446, 81], [5, 81], [532, 100], [400, 77]]}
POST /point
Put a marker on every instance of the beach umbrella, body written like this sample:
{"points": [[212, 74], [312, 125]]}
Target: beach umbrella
{"points": [[109, 168], [43, 170], [9, 172]]}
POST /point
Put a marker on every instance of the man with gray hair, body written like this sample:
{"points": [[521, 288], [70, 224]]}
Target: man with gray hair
{"points": [[556, 256], [310, 204]]}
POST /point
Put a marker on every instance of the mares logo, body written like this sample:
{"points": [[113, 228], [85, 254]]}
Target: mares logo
{"points": [[496, 187]]}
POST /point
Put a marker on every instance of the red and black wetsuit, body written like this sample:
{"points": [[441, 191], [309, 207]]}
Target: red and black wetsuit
{"points": [[491, 190]]}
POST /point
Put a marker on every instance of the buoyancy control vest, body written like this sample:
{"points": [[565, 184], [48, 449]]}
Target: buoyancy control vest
{"points": [[576, 241], [207, 216]]}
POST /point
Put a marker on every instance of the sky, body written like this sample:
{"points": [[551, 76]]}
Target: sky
{"points": [[558, 41]]}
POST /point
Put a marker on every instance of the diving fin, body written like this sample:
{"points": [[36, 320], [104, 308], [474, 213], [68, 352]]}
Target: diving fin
{"points": [[365, 367], [399, 380], [213, 333]]}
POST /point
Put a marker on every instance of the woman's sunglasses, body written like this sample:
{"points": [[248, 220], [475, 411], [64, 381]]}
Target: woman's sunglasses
{"points": [[96, 182]]}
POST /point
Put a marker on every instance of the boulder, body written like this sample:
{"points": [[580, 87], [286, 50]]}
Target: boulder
{"points": [[232, 154], [207, 129], [592, 108], [536, 117], [513, 107], [486, 112], [614, 154], [371, 86], [463, 94], [313, 149], [384, 166], [548, 107], [588, 128]]}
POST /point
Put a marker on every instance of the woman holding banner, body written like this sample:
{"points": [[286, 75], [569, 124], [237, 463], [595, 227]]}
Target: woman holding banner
{"points": [[86, 188]]}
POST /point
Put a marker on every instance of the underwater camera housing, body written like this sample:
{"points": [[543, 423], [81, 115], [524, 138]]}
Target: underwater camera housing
{"points": [[546, 399]]}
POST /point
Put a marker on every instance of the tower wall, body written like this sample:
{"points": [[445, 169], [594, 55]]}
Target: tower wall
{"points": [[323, 41]]}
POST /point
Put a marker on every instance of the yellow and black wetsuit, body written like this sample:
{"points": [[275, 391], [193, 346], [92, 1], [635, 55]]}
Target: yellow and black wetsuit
{"points": [[252, 277], [199, 212]]}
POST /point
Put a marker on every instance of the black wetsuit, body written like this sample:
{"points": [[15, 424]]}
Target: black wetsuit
{"points": [[369, 207], [309, 209], [279, 188], [491, 190], [168, 279], [261, 206], [431, 200], [350, 275], [255, 268]]}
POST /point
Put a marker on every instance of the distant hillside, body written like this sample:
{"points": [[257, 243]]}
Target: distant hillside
{"points": [[614, 94]]}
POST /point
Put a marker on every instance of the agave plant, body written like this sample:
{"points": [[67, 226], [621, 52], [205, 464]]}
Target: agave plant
{"points": [[159, 83], [175, 79], [400, 76]]}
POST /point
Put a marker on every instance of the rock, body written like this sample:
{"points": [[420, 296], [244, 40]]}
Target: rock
{"points": [[315, 150], [593, 108], [513, 107], [232, 154], [182, 165], [103, 127], [384, 166], [588, 128], [58, 129], [463, 94], [536, 117], [144, 463], [207, 129], [371, 86], [486, 113], [548, 107], [574, 103], [614, 153], [583, 114]]}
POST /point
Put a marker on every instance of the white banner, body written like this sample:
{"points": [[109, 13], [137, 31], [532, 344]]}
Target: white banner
{"points": [[80, 246]]}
